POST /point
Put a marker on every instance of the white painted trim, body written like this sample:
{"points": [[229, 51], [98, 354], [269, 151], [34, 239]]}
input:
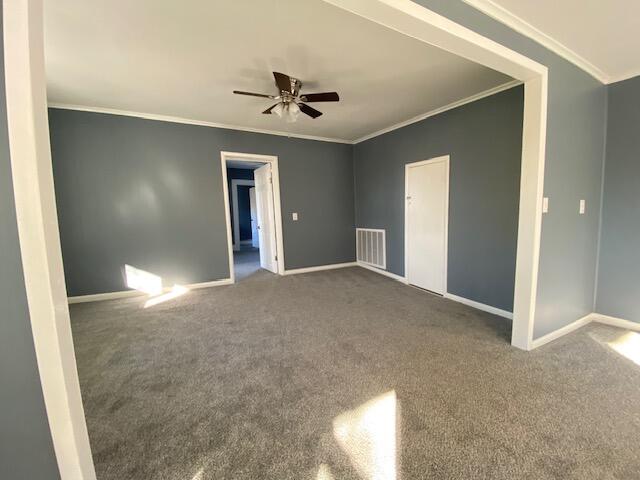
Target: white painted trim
{"points": [[417, 22], [275, 178], [189, 121], [24, 65], [534, 135], [98, 297], [447, 161], [437, 111], [236, 215], [319, 268], [39, 237], [616, 322], [480, 306], [386, 273], [504, 16], [549, 337]]}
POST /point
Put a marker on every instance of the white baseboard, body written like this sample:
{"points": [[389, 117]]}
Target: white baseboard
{"points": [[319, 268], [382, 272], [480, 306], [98, 297], [549, 337], [616, 322]]}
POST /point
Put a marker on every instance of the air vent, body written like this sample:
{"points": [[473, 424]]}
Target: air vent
{"points": [[371, 247]]}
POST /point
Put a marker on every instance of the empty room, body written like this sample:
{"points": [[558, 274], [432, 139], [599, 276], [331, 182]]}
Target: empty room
{"points": [[319, 239]]}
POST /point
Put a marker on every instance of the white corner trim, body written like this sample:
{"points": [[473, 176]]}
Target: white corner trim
{"points": [[190, 121], [504, 16], [386, 273], [549, 337], [98, 297], [616, 322], [319, 268], [480, 306], [437, 111]]}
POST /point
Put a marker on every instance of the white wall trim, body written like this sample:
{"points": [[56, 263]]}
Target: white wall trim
{"points": [[417, 22], [549, 337], [190, 121], [236, 214], [98, 297], [616, 322], [386, 273], [521, 26], [168, 118], [447, 161], [480, 306], [275, 176], [39, 237], [319, 268], [42, 260], [437, 111]]}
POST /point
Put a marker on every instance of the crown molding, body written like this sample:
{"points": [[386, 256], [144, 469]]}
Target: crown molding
{"points": [[188, 121], [168, 118], [502, 15], [451, 106]]}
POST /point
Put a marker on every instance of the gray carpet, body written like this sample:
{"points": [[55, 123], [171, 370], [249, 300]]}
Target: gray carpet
{"points": [[342, 375], [246, 263]]}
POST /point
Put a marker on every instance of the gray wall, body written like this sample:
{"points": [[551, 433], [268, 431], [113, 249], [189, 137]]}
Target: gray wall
{"points": [[123, 186], [26, 449], [484, 140], [575, 151], [619, 268]]}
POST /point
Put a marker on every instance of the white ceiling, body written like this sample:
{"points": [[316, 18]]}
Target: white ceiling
{"points": [[601, 36], [184, 58]]}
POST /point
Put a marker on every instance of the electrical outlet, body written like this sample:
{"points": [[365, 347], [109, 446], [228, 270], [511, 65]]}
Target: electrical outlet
{"points": [[294, 216], [545, 204], [583, 207]]}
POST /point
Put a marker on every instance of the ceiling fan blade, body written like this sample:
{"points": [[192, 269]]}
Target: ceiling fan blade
{"points": [[268, 110], [312, 112], [320, 97], [283, 82], [263, 95]]}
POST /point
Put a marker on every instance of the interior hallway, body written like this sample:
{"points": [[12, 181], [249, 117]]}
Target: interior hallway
{"points": [[292, 377], [246, 262]]}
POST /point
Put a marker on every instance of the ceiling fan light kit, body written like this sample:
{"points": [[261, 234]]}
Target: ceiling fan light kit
{"points": [[290, 102]]}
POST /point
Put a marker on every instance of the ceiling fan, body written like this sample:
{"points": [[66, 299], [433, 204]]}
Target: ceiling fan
{"points": [[290, 101]]}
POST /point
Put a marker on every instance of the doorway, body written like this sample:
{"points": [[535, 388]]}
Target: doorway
{"points": [[426, 224], [254, 221]]}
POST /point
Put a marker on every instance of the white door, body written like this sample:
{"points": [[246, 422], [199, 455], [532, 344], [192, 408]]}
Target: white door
{"points": [[426, 216], [266, 218], [255, 242]]}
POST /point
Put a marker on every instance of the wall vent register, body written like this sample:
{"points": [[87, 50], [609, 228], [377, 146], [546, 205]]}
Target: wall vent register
{"points": [[371, 247]]}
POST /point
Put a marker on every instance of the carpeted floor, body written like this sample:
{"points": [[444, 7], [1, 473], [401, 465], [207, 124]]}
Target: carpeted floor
{"points": [[246, 262], [346, 374]]}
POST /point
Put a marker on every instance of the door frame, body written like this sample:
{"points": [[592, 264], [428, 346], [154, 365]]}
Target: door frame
{"points": [[275, 176], [447, 161], [234, 202]]}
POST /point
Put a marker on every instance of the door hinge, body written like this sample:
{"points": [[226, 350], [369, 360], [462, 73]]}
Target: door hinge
{"points": [[276, 257]]}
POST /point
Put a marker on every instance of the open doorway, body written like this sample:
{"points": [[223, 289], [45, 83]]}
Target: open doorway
{"points": [[254, 225]]}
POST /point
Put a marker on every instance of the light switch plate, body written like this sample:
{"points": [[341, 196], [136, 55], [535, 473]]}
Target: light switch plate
{"points": [[545, 204], [294, 216], [583, 207]]}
